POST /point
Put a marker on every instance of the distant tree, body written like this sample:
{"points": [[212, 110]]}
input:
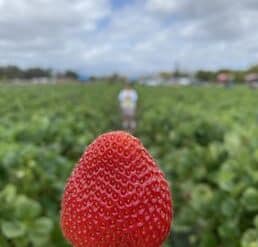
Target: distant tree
{"points": [[92, 78], [14, 72], [10, 72], [253, 69], [166, 75], [203, 75], [71, 75], [36, 73], [115, 78], [239, 76]]}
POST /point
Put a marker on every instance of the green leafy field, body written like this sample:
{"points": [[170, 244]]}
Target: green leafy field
{"points": [[205, 139]]}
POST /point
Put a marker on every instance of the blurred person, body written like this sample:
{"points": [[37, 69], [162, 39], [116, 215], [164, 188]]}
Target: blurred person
{"points": [[128, 102]]}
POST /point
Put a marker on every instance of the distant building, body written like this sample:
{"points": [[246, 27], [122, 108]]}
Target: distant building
{"points": [[159, 80], [154, 80], [180, 80], [41, 80], [225, 79], [36, 80], [252, 80]]}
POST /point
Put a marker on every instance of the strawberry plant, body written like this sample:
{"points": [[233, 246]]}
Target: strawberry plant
{"points": [[204, 139]]}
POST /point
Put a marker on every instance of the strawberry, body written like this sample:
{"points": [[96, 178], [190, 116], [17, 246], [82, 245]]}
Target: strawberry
{"points": [[116, 196]]}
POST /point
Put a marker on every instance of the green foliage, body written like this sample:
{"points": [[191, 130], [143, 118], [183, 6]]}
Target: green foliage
{"points": [[205, 75], [205, 140], [13, 72], [43, 132]]}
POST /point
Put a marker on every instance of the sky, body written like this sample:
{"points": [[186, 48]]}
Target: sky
{"points": [[131, 37]]}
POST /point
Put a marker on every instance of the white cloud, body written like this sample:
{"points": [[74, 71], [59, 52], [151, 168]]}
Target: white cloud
{"points": [[47, 30], [163, 6], [38, 17], [139, 41], [141, 37]]}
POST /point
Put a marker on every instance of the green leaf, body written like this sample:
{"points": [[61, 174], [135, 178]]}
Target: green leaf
{"points": [[27, 208], [3, 241], [201, 196], [250, 238], [256, 222], [229, 230], [208, 240], [40, 231], [250, 199], [43, 225], [13, 229], [230, 207], [8, 194], [226, 177]]}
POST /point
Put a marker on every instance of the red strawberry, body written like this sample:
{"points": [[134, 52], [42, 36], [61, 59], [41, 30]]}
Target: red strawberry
{"points": [[116, 196]]}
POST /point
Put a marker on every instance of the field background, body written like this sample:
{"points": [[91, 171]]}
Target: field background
{"points": [[204, 138]]}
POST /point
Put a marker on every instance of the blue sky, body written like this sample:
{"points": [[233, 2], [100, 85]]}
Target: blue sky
{"points": [[99, 37], [120, 3]]}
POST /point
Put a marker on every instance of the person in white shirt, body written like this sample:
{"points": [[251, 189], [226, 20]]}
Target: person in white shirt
{"points": [[128, 101]]}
